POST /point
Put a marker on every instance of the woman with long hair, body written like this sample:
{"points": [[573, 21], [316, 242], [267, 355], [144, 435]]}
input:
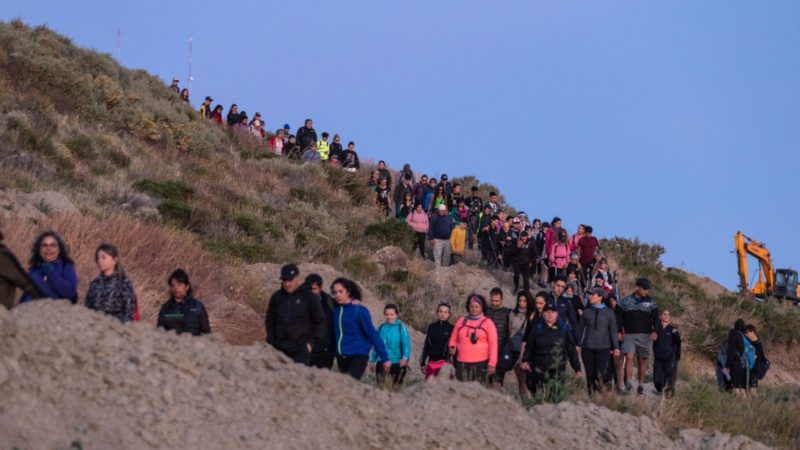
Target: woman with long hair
{"points": [[112, 291], [183, 313], [518, 322], [559, 253], [52, 269], [353, 331]]}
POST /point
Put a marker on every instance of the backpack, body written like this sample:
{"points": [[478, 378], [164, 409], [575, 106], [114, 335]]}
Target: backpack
{"points": [[749, 354], [474, 329], [761, 368]]}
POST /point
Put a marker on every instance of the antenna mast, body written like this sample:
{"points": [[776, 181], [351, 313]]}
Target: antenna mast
{"points": [[190, 65], [119, 39]]}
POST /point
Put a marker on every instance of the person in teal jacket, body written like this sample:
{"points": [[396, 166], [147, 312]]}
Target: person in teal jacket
{"points": [[398, 347], [354, 333]]}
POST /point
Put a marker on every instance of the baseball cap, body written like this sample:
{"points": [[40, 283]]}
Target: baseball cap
{"points": [[286, 126], [597, 291], [209, 99], [515, 220], [550, 307], [444, 176], [289, 272], [442, 207]]}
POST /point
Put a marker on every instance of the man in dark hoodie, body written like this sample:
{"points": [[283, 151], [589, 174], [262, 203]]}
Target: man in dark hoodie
{"points": [[435, 352], [295, 322], [475, 205], [548, 349], [640, 321], [306, 134], [566, 310], [322, 355]]}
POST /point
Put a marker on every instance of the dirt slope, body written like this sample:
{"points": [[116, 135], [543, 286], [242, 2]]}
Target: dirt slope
{"points": [[72, 376]]}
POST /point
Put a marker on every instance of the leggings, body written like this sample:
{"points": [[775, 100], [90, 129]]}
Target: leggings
{"points": [[397, 373], [420, 243], [525, 271], [595, 361], [664, 374], [354, 365]]}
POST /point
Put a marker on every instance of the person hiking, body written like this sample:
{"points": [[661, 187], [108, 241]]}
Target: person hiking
{"points": [[524, 256], [323, 147], [174, 86], [761, 364], [575, 238], [310, 154], [306, 135], [548, 349], [551, 231], [405, 208], [640, 321], [322, 355], [406, 170], [216, 115], [112, 291], [435, 352], [419, 223], [205, 108], [336, 148], [518, 322], [489, 238], [51, 269], [666, 354], [535, 316], [291, 149], [383, 192], [384, 173], [185, 95], [500, 316], [587, 248], [566, 310], [598, 332], [474, 343], [475, 205], [430, 192], [401, 191], [183, 313], [13, 276], [736, 365], [457, 196], [439, 232], [493, 204], [354, 334], [439, 198], [458, 240], [558, 256], [420, 189], [398, 348], [276, 143], [350, 161], [233, 115], [507, 239], [294, 321], [615, 371]]}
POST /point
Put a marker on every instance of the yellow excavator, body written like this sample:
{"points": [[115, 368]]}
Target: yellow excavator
{"points": [[779, 283]]}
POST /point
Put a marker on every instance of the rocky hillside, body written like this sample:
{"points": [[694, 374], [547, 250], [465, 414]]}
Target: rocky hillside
{"points": [[73, 378]]}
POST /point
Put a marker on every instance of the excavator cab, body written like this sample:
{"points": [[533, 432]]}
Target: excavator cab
{"points": [[786, 284]]}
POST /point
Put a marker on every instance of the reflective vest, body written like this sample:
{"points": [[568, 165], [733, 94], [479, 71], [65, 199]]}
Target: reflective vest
{"points": [[324, 150]]}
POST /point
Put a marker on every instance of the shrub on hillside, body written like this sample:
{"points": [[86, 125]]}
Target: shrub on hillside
{"points": [[391, 232], [633, 252]]}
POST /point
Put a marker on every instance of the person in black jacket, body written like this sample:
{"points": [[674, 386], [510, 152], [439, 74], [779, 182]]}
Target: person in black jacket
{"points": [[761, 364], [306, 135], [524, 257], [640, 320], [500, 316], [295, 322], [13, 276], [615, 371], [547, 351], [183, 313], [733, 364], [666, 354], [475, 205], [435, 352], [322, 356], [233, 115]]}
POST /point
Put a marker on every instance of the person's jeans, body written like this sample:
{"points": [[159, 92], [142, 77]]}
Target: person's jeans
{"points": [[441, 252]]}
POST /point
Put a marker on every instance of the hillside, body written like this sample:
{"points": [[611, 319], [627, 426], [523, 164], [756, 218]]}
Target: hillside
{"points": [[103, 153]]}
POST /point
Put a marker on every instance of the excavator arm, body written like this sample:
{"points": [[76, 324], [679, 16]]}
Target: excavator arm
{"points": [[745, 245]]}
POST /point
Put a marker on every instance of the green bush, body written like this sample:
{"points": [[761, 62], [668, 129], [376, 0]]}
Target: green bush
{"points": [[176, 211], [633, 252], [81, 147], [360, 266], [249, 252], [390, 232], [168, 190], [305, 195]]}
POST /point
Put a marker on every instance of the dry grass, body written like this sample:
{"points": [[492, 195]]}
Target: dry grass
{"points": [[149, 253]]}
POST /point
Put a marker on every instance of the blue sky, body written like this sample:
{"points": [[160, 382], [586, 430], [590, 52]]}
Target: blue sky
{"points": [[677, 122]]}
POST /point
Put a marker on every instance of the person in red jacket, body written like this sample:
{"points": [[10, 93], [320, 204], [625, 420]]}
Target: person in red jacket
{"points": [[474, 343]]}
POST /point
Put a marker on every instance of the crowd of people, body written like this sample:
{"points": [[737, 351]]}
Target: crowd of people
{"points": [[575, 318]]}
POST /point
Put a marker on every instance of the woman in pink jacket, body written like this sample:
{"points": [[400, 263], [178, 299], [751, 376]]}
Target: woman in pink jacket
{"points": [[559, 253], [474, 343], [419, 220]]}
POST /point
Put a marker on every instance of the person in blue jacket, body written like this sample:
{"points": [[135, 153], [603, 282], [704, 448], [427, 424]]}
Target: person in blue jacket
{"points": [[353, 330], [51, 269], [398, 347]]}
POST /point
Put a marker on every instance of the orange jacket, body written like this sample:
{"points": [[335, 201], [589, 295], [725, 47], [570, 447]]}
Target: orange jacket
{"points": [[486, 346]]}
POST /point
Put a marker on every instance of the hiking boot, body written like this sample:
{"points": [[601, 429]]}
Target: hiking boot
{"points": [[640, 390], [628, 386]]}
